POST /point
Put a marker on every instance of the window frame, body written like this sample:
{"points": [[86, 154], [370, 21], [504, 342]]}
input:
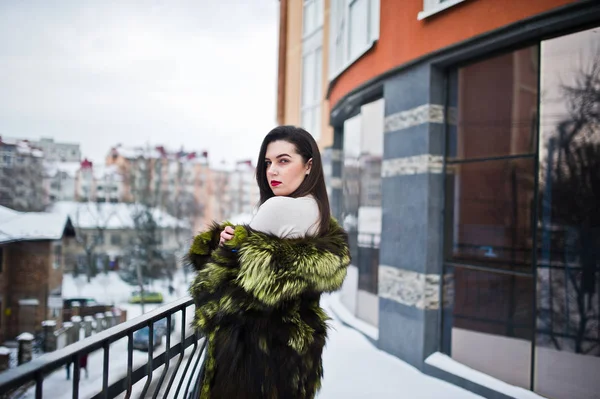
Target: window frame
{"points": [[340, 32], [319, 9], [432, 7], [312, 44]]}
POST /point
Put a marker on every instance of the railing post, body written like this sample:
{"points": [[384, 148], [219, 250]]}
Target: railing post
{"points": [[48, 328], [109, 317], [87, 325], [99, 322], [76, 320], [68, 326], [4, 358], [118, 316], [75, 310], [25, 347]]}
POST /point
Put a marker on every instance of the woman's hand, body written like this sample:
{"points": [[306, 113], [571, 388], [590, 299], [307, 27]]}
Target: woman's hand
{"points": [[226, 235]]}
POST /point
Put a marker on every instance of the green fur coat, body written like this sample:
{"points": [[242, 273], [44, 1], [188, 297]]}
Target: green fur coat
{"points": [[257, 301]]}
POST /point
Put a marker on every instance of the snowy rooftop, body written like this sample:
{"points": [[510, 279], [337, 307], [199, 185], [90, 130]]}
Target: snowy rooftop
{"points": [[20, 226], [70, 168], [90, 215]]}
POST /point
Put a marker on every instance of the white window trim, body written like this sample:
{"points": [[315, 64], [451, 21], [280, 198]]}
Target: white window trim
{"points": [[316, 105], [306, 35], [432, 7], [373, 29]]}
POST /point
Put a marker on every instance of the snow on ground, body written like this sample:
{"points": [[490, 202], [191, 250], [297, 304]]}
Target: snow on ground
{"points": [[353, 367], [106, 288]]}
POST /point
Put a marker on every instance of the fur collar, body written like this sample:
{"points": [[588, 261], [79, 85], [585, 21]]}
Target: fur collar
{"points": [[271, 268]]}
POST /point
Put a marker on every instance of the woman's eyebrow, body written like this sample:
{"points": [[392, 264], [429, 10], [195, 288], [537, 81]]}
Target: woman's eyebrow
{"points": [[283, 155]]}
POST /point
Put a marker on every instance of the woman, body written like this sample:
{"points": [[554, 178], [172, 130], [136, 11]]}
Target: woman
{"points": [[258, 287]]}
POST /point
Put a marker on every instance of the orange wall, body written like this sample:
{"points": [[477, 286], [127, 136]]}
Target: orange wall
{"points": [[403, 38]]}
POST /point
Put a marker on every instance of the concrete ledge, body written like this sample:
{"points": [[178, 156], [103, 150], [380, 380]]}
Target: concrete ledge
{"points": [[441, 366]]}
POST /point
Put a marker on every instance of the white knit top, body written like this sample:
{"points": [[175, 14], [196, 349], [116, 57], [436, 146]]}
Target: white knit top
{"points": [[287, 217]]}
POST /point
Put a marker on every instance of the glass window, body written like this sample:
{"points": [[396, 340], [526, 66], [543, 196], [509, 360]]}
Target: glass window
{"points": [[354, 29], [496, 102], [311, 92], [489, 213], [567, 351], [489, 222], [361, 201], [358, 26]]}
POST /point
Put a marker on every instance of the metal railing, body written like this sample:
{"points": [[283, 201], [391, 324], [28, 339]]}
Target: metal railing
{"points": [[31, 376]]}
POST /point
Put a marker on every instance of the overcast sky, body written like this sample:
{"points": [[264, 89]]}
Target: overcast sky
{"points": [[197, 73]]}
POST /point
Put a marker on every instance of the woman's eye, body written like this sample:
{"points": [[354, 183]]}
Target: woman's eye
{"points": [[268, 163], [284, 161]]}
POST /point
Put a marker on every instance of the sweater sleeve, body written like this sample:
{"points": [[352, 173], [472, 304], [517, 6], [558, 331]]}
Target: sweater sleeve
{"points": [[286, 217]]}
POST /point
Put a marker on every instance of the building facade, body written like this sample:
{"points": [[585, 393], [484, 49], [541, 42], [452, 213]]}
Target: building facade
{"points": [[477, 243], [58, 152], [22, 176], [32, 263]]}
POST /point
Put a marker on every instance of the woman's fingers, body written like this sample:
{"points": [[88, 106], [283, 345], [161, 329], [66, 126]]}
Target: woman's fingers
{"points": [[226, 234]]}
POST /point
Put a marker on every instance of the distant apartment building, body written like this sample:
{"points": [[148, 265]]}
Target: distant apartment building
{"points": [[58, 152], [180, 182], [244, 193], [61, 180], [22, 184], [97, 183]]}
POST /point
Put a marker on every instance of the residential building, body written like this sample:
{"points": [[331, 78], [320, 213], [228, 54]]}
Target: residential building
{"points": [[105, 233], [53, 151], [480, 116], [58, 152], [31, 269], [61, 180], [244, 191], [97, 183], [181, 182], [22, 183]]}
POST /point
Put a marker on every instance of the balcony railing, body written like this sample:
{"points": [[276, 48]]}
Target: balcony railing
{"points": [[178, 378]]}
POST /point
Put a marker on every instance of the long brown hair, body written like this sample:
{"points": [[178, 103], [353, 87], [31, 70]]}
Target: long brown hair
{"points": [[314, 182]]}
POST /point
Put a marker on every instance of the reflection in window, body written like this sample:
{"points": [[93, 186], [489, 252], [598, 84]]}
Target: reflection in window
{"points": [[490, 213], [361, 209], [568, 289], [497, 107], [490, 199]]}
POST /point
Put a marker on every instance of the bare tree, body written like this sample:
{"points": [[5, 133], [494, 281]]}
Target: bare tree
{"points": [[570, 191], [91, 235]]}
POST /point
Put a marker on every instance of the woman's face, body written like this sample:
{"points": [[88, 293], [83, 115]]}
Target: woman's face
{"points": [[285, 168]]}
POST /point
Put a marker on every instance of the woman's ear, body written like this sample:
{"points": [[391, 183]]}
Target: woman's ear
{"points": [[308, 166]]}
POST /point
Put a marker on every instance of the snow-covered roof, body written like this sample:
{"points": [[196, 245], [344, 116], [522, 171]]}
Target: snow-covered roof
{"points": [[111, 216], [27, 226], [70, 168], [102, 172]]}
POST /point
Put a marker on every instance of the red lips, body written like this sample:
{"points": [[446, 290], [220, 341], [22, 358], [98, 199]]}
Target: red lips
{"points": [[275, 183]]}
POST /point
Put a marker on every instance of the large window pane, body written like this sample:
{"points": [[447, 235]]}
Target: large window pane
{"points": [[489, 213], [361, 209], [489, 285], [497, 103], [309, 17], [568, 289], [487, 322], [308, 79]]}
